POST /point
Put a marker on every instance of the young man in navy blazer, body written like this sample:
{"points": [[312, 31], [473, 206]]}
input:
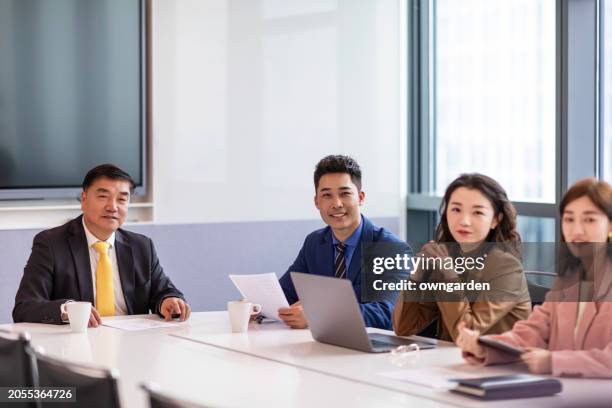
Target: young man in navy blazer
{"points": [[338, 197]]}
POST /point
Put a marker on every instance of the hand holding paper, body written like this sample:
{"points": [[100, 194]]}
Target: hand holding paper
{"points": [[263, 289]]}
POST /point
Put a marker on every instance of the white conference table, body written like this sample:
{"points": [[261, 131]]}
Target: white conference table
{"points": [[272, 365]]}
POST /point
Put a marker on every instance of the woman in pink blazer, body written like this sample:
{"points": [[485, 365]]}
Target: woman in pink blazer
{"points": [[566, 336]]}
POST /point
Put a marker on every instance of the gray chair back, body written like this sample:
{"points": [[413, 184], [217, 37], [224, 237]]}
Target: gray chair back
{"points": [[17, 367], [159, 399], [95, 387], [538, 284]]}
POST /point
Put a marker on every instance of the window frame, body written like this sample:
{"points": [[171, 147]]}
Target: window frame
{"points": [[577, 121]]}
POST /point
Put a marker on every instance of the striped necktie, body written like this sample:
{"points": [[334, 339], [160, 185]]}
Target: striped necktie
{"points": [[339, 263], [105, 294]]}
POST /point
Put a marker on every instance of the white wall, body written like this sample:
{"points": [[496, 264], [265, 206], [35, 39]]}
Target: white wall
{"points": [[249, 94]]}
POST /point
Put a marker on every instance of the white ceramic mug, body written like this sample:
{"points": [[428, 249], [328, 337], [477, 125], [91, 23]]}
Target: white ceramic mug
{"points": [[78, 315], [240, 312]]}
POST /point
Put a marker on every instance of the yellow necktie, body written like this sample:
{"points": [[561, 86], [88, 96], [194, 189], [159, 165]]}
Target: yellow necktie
{"points": [[105, 295]]}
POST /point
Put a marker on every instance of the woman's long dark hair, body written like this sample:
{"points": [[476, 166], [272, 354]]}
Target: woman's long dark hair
{"points": [[505, 231]]}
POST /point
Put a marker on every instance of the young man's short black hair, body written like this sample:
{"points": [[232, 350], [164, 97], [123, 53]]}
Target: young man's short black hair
{"points": [[107, 170], [338, 164]]}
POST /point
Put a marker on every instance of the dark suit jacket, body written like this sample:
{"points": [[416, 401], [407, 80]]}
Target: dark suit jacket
{"points": [[317, 257], [59, 270]]}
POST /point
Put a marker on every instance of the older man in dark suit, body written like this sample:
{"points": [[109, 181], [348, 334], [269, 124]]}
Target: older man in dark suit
{"points": [[92, 259]]}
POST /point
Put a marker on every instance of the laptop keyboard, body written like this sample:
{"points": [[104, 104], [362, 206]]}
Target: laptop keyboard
{"points": [[381, 345], [382, 341], [388, 340]]}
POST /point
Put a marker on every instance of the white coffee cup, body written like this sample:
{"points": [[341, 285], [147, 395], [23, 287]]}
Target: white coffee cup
{"points": [[78, 315], [240, 312]]}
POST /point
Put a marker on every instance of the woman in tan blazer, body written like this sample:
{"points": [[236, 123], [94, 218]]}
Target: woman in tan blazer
{"points": [[477, 220]]}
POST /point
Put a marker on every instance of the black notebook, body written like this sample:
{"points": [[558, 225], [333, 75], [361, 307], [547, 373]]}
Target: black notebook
{"points": [[509, 386]]}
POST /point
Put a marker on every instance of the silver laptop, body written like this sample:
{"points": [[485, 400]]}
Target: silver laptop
{"points": [[334, 316]]}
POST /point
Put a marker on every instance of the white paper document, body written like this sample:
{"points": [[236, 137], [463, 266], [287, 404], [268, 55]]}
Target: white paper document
{"points": [[262, 289], [137, 324]]}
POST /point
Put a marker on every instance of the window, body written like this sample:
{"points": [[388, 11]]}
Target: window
{"points": [[493, 104], [511, 89], [482, 80], [606, 90]]}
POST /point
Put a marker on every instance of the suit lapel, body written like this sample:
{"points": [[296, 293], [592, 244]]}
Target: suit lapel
{"points": [[603, 282], [588, 315], [602, 291], [80, 257], [326, 251], [566, 325], [125, 264], [355, 266], [367, 235]]}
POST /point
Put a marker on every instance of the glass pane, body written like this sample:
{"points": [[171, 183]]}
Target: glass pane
{"points": [[536, 229], [538, 235], [494, 94], [606, 95]]}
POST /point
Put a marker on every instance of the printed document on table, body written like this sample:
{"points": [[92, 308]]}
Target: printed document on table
{"points": [[262, 289], [137, 324]]}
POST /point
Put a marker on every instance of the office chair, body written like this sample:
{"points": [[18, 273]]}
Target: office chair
{"points": [[158, 399], [95, 387], [538, 291], [17, 367]]}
